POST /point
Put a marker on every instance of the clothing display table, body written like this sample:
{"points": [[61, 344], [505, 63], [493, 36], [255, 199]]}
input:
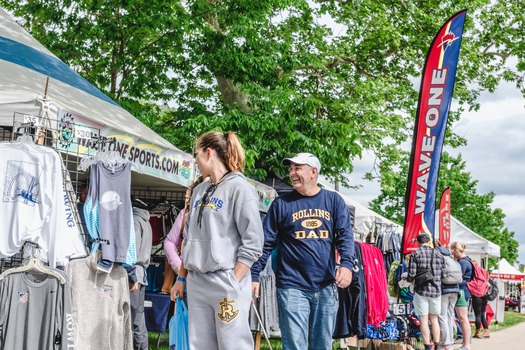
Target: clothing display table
{"points": [[157, 315]]}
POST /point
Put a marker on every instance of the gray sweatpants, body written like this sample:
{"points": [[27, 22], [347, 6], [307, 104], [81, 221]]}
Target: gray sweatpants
{"points": [[140, 333], [218, 311]]}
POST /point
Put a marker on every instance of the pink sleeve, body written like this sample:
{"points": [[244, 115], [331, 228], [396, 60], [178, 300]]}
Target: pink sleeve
{"points": [[172, 242]]}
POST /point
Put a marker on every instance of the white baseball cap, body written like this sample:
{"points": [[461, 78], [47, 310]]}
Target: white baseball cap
{"points": [[304, 158]]}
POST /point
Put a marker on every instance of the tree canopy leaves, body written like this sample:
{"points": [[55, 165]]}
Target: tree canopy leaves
{"points": [[331, 77]]}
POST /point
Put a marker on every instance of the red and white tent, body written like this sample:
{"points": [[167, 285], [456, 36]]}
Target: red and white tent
{"points": [[507, 272]]}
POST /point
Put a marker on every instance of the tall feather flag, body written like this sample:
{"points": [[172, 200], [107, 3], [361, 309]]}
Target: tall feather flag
{"points": [[444, 218], [435, 96]]}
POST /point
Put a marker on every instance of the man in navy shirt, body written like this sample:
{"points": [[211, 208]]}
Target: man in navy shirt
{"points": [[307, 225]]}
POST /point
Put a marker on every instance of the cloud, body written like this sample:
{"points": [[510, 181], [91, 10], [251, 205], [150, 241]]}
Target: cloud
{"points": [[521, 253], [495, 152], [494, 156]]}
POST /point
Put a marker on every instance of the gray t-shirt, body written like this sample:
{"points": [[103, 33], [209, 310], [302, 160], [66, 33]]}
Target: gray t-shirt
{"points": [[35, 312], [115, 213], [101, 305]]}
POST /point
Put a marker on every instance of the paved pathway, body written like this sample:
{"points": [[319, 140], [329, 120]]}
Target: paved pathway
{"points": [[512, 338]]}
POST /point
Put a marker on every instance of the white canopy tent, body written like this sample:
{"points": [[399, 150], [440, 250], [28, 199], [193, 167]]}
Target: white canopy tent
{"points": [[505, 274], [477, 247], [365, 220], [25, 67]]}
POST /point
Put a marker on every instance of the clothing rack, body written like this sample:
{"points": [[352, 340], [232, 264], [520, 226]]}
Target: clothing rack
{"points": [[49, 132], [147, 195], [58, 137], [17, 259]]}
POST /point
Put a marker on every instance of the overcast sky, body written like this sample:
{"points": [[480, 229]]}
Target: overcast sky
{"points": [[494, 156]]}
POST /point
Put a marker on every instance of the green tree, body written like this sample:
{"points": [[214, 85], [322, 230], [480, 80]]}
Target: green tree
{"points": [[329, 76], [332, 77], [468, 206]]}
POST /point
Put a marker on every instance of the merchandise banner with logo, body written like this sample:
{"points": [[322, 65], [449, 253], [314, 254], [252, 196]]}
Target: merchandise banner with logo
{"points": [[444, 218], [154, 160]]}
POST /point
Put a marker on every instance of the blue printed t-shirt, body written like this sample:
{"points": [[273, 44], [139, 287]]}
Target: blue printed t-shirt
{"points": [[307, 230]]}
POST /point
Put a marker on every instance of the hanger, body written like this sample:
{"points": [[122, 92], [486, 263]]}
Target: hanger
{"points": [[26, 138], [138, 203], [160, 209], [35, 264], [110, 158]]}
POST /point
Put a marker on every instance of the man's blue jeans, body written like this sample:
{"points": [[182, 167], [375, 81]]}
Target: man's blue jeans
{"points": [[307, 319]]}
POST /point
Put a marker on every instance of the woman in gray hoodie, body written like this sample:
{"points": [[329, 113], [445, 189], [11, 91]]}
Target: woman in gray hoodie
{"points": [[224, 238]]}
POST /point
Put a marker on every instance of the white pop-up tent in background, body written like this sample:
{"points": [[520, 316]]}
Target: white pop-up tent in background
{"points": [[477, 247], [365, 219], [505, 274]]}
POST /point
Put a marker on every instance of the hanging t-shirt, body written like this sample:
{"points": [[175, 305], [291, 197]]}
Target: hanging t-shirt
{"points": [[376, 284], [34, 205], [108, 212], [100, 305], [35, 313], [352, 313]]}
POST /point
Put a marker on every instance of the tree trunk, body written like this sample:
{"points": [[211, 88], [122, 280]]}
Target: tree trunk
{"points": [[231, 95]]}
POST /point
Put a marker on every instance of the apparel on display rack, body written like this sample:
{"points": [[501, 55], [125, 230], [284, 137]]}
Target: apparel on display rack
{"points": [[101, 305], [36, 301], [42, 197], [36, 184], [108, 212], [35, 205]]}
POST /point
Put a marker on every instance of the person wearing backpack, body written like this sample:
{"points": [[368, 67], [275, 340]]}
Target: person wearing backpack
{"points": [[449, 297], [479, 304], [458, 252], [426, 269]]}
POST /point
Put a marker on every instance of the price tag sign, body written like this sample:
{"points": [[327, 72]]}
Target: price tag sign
{"points": [[32, 119], [402, 309], [82, 132]]}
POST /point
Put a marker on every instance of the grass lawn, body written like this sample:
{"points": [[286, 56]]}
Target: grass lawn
{"points": [[163, 345], [511, 318]]}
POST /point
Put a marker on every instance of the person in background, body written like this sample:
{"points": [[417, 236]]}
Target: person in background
{"points": [[458, 252], [83, 191], [307, 225], [173, 241], [479, 304], [449, 297], [138, 279], [427, 296], [224, 238], [457, 326]]}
